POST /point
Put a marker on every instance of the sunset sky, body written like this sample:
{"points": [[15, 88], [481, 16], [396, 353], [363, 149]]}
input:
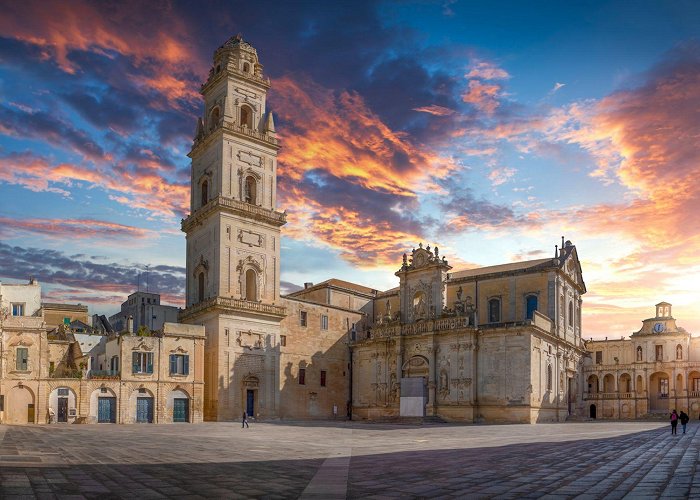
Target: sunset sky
{"points": [[489, 129]]}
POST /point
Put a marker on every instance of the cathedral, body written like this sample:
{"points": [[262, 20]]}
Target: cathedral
{"points": [[496, 344]]}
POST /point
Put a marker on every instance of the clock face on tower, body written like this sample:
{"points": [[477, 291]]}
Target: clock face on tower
{"points": [[658, 327]]}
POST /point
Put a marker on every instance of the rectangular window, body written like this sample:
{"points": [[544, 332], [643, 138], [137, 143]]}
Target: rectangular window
{"points": [[62, 391], [696, 384], [66, 321], [302, 318], [599, 357], [283, 340], [2, 402], [18, 309], [142, 362], [324, 322], [323, 378], [22, 359], [302, 376], [179, 364], [659, 353]]}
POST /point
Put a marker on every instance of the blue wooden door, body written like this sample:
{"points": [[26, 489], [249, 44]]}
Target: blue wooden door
{"points": [[106, 410], [181, 410], [250, 403], [144, 410]]}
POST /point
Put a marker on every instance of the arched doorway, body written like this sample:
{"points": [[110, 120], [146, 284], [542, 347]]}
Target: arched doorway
{"points": [[593, 384], [103, 406], [179, 403], [19, 408], [414, 387], [593, 411], [61, 401], [658, 392]]}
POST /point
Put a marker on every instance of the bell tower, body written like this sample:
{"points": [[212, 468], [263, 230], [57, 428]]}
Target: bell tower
{"points": [[233, 237]]}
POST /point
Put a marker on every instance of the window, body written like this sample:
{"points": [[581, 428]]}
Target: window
{"points": [[2, 402], [323, 378], [494, 310], [679, 351], [302, 376], [142, 362], [214, 118], [18, 309], [251, 285], [22, 359], [599, 357], [302, 318], [696, 384], [639, 353], [246, 67], [250, 190], [283, 340], [66, 321], [205, 194], [114, 364], [530, 306], [62, 391], [571, 313], [179, 364], [200, 283], [659, 353], [324, 322], [246, 117]]}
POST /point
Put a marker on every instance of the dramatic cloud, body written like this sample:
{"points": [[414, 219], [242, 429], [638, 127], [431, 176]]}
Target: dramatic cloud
{"points": [[81, 276], [70, 228]]}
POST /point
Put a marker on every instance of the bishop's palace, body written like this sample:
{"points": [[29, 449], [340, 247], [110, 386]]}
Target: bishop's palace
{"points": [[496, 344]]}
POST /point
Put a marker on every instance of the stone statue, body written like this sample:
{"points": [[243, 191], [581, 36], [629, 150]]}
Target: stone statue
{"points": [[459, 294]]}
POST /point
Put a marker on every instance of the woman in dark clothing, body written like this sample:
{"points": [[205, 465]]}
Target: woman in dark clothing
{"points": [[684, 418]]}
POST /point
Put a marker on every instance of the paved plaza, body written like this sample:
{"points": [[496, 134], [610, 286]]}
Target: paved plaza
{"points": [[350, 460]]}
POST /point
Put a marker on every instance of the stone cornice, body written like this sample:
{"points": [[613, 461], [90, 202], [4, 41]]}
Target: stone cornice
{"points": [[235, 207], [237, 130], [229, 305]]}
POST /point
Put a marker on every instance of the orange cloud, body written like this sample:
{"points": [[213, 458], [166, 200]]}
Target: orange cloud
{"points": [[436, 110], [484, 96], [486, 70], [146, 191], [73, 228]]}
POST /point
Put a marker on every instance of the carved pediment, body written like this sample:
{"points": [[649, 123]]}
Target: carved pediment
{"points": [[21, 340], [179, 350], [142, 346]]}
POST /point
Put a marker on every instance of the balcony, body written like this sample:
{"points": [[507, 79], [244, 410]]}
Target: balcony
{"points": [[103, 375], [234, 306], [235, 207], [608, 395], [67, 373]]}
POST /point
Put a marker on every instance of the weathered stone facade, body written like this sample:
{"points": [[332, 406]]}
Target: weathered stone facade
{"points": [[476, 345], [45, 377], [654, 371]]}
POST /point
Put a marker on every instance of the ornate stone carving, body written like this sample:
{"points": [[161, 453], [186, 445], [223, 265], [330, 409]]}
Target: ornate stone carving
{"points": [[250, 158], [250, 340], [250, 238]]}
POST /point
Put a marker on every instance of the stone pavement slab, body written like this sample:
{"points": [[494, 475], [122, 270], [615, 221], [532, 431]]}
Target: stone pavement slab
{"points": [[611, 460]]}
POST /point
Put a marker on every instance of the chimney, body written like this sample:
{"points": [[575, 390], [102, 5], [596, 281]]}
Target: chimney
{"points": [[308, 284]]}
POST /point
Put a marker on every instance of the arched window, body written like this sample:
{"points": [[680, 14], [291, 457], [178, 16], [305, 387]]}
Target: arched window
{"points": [[246, 67], [530, 306], [679, 351], [251, 285], [200, 287], [639, 353], [250, 190], [571, 313], [214, 118], [494, 310], [246, 116], [205, 193], [549, 377], [218, 68]]}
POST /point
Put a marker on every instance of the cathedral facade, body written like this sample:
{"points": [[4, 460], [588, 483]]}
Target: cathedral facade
{"points": [[501, 343]]}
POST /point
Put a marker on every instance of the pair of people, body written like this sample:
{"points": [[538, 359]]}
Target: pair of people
{"points": [[675, 418]]}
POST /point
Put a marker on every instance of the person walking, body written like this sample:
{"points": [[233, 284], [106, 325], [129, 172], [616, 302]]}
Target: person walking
{"points": [[674, 422], [245, 420], [684, 418]]}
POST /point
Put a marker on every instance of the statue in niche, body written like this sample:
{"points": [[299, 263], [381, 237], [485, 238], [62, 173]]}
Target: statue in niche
{"points": [[393, 388], [419, 310], [444, 386], [459, 294]]}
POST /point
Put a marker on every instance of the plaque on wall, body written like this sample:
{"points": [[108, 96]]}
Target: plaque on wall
{"points": [[250, 238]]}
